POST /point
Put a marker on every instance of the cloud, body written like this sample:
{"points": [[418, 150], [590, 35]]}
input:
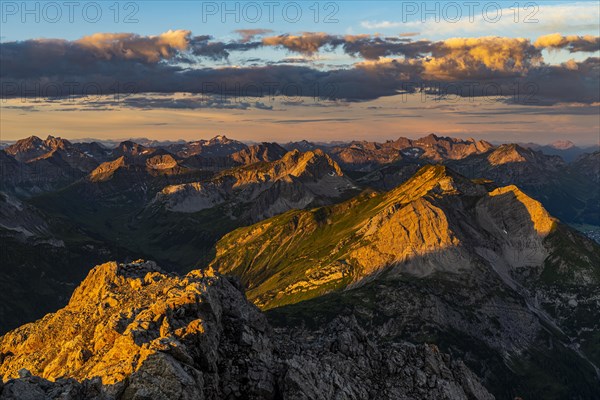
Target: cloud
{"points": [[465, 58], [249, 34], [306, 43], [130, 46], [372, 48], [167, 63], [148, 101], [382, 24], [202, 46], [470, 58], [366, 46], [573, 43], [522, 83]]}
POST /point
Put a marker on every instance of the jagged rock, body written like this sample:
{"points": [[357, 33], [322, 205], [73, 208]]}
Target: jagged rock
{"points": [[358, 368], [293, 181], [144, 331], [133, 331], [264, 152]]}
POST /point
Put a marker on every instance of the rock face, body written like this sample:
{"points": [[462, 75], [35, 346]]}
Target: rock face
{"points": [[588, 165], [133, 331], [340, 361], [294, 181]]}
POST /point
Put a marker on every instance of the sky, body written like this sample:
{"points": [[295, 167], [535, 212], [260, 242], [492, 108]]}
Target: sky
{"points": [[500, 71]]}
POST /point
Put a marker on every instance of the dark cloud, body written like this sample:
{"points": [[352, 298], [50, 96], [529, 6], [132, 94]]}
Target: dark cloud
{"points": [[365, 46], [375, 48], [187, 103], [125, 64], [305, 43], [302, 121], [202, 46]]}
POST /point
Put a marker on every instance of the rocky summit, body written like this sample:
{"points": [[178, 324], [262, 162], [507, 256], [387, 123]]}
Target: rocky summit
{"points": [[134, 331]]}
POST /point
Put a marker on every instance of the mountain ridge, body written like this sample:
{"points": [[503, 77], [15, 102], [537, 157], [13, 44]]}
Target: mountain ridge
{"points": [[485, 263]]}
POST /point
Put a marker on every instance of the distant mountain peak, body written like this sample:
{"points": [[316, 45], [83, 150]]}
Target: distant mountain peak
{"points": [[21, 144], [56, 142], [312, 162], [221, 139], [106, 170], [510, 153], [562, 144], [33, 147], [130, 148], [254, 153]]}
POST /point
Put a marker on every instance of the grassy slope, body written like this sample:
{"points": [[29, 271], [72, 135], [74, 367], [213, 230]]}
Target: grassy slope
{"points": [[288, 245]]}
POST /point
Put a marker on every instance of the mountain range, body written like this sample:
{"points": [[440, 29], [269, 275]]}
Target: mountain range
{"points": [[434, 268], [34, 166]]}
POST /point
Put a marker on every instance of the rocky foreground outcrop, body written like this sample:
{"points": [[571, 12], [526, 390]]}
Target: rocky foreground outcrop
{"points": [[136, 332]]}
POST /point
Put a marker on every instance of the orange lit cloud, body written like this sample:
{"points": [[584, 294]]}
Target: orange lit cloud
{"points": [[131, 46], [462, 58], [573, 43], [306, 43]]}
